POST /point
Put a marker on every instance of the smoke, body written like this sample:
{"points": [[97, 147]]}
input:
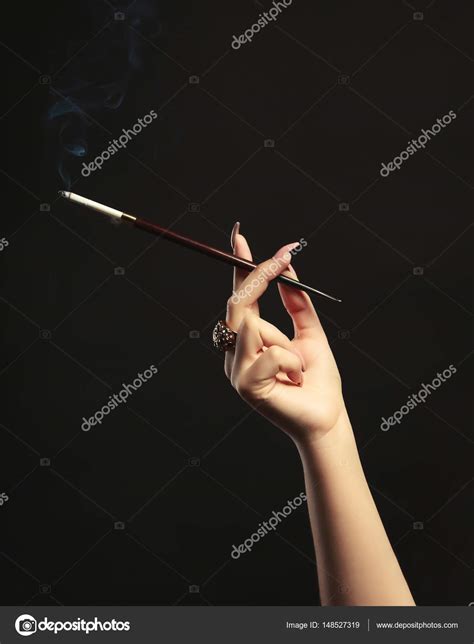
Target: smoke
{"points": [[97, 79]]}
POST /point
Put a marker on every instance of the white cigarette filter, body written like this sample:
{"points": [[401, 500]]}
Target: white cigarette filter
{"points": [[94, 205]]}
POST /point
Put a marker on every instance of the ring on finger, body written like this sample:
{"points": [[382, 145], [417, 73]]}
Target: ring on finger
{"points": [[223, 337]]}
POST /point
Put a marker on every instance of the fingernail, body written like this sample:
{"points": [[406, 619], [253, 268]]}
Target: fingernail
{"points": [[300, 356], [235, 231], [296, 378], [284, 253], [291, 270]]}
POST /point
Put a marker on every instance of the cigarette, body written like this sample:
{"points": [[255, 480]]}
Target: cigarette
{"points": [[181, 240]]}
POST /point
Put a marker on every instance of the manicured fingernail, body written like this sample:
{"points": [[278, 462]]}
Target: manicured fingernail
{"points": [[296, 377], [235, 231], [291, 270], [300, 356], [284, 253]]}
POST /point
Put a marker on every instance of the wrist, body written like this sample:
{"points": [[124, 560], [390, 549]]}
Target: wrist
{"points": [[338, 438], [332, 459]]}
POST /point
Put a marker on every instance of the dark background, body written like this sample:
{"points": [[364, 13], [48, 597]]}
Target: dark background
{"points": [[186, 467]]}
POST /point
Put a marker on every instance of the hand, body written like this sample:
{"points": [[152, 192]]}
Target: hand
{"points": [[294, 383]]}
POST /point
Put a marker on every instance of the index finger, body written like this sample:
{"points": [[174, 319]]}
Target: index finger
{"points": [[256, 283], [241, 249]]}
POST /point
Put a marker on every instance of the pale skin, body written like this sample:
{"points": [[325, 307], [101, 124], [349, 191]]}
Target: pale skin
{"points": [[295, 384]]}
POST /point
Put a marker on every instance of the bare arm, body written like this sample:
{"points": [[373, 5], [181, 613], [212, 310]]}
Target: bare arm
{"points": [[296, 385], [356, 563]]}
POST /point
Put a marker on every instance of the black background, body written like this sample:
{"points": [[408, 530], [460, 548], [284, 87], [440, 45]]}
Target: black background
{"points": [[186, 467]]}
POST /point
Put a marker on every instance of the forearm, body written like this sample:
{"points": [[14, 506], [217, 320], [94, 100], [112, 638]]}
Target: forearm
{"points": [[356, 563]]}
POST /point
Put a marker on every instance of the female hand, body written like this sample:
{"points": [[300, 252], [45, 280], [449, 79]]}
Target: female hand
{"points": [[294, 383]]}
